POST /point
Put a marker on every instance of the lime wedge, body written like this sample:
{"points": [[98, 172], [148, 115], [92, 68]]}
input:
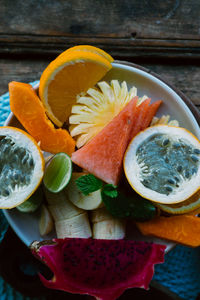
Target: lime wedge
{"points": [[32, 203], [58, 173]]}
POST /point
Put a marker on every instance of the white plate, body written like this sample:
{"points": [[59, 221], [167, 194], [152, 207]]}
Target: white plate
{"points": [[26, 225]]}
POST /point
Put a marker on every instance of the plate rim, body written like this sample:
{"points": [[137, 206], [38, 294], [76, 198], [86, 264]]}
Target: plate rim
{"points": [[195, 112]]}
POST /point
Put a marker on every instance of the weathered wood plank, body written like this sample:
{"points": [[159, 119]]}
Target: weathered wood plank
{"points": [[124, 28], [122, 47], [178, 19], [184, 77]]}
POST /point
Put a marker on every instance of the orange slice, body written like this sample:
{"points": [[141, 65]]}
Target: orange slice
{"points": [[182, 229], [29, 110], [88, 48], [190, 205], [65, 78]]}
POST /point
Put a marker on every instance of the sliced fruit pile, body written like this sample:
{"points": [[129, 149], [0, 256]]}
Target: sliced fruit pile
{"points": [[103, 155], [130, 165]]}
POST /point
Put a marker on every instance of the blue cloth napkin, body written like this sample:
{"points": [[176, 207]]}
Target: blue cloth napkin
{"points": [[180, 272]]}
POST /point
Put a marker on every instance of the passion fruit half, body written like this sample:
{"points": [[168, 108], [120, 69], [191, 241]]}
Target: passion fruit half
{"points": [[21, 166], [162, 164]]}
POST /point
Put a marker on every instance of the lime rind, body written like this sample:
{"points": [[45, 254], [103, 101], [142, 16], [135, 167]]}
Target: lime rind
{"points": [[58, 173], [33, 203]]}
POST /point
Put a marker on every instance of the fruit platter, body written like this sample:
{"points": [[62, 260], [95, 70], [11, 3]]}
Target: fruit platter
{"points": [[100, 172]]}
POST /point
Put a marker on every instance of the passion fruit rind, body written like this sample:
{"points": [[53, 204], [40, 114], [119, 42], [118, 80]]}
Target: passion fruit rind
{"points": [[162, 164], [21, 166]]}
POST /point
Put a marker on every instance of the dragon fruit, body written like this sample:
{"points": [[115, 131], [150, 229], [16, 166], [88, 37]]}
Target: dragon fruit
{"points": [[101, 268]]}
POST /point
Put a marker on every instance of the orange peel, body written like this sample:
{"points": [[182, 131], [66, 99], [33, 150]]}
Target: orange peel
{"points": [[28, 109]]}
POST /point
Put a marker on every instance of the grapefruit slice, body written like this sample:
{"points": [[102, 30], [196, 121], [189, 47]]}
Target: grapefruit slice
{"points": [[21, 165], [103, 155]]}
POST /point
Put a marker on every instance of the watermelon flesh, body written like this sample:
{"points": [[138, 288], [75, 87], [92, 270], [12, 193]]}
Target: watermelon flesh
{"points": [[142, 111], [100, 268], [152, 109], [103, 155]]}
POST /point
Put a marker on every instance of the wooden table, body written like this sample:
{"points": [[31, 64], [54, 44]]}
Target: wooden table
{"points": [[162, 36]]}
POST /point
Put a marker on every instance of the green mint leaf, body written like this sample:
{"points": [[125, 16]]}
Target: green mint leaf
{"points": [[110, 190], [88, 184]]}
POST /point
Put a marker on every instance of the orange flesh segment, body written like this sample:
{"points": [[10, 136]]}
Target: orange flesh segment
{"points": [[103, 155], [152, 109], [65, 78], [184, 229], [29, 110]]}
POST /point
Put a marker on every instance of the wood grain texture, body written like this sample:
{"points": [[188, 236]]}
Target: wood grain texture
{"points": [[183, 77], [124, 28]]}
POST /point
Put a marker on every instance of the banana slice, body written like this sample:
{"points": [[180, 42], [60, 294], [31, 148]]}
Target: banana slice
{"points": [[99, 215], [70, 221], [105, 226], [46, 221], [64, 210], [76, 227], [112, 229], [89, 202]]}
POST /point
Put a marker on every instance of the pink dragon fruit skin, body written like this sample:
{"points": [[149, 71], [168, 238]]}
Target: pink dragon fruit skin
{"points": [[101, 268]]}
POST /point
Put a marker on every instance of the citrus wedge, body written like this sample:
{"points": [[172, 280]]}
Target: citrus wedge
{"points": [[58, 173], [162, 164], [88, 48], [21, 165], [65, 78], [29, 110], [33, 203], [187, 206]]}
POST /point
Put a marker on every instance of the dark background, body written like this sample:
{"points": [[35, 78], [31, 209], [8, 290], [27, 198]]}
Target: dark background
{"points": [[160, 35]]}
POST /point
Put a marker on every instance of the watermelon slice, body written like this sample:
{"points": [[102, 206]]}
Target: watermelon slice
{"points": [[103, 155], [142, 111], [152, 109]]}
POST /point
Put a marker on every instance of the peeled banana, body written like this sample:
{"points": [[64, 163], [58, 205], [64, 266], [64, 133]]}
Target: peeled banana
{"points": [[112, 229], [70, 221], [46, 221], [99, 215], [76, 227], [107, 227], [88, 202]]}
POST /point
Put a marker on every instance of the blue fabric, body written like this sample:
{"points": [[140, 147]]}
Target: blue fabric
{"points": [[180, 272]]}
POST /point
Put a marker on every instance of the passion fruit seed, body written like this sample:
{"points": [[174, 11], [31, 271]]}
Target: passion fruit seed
{"points": [[176, 145], [171, 181], [196, 151], [17, 159], [161, 166], [165, 142], [179, 169], [168, 188], [187, 174], [194, 158]]}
